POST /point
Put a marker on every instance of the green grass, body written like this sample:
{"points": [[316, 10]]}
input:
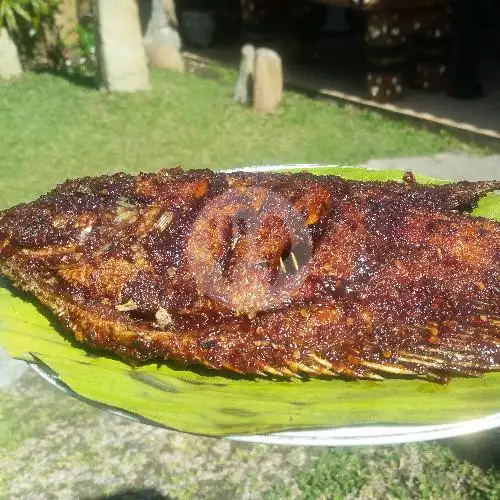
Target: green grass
{"points": [[51, 129], [419, 471]]}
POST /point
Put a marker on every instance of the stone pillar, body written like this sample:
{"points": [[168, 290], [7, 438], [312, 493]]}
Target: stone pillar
{"points": [[157, 24], [121, 58], [10, 65], [161, 39], [268, 81]]}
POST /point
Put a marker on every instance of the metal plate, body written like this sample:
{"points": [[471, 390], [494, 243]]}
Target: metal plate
{"points": [[338, 436]]}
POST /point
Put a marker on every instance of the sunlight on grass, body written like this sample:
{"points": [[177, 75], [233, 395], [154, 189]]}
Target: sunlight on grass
{"points": [[51, 130]]}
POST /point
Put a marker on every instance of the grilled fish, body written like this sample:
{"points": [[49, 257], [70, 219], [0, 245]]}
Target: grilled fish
{"points": [[288, 275]]}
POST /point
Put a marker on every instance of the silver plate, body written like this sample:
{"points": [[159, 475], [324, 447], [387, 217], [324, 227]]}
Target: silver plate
{"points": [[337, 436]]}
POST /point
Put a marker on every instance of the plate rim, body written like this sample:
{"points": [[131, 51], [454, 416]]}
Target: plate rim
{"points": [[358, 435]]}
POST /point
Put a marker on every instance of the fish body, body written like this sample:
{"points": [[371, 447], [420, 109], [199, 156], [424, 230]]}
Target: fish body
{"points": [[268, 274]]}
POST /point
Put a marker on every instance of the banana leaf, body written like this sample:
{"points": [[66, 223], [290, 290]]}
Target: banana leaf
{"points": [[209, 403]]}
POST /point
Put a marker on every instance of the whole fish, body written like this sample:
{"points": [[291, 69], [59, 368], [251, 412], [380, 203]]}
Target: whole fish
{"points": [[278, 274]]}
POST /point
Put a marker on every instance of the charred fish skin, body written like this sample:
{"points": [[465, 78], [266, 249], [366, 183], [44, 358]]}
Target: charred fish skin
{"points": [[286, 275]]}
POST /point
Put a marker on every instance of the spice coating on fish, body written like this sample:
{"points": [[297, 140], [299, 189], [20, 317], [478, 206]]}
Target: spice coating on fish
{"points": [[258, 273]]}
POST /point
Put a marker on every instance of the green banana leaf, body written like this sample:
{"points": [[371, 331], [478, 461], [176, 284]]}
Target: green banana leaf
{"points": [[210, 403]]}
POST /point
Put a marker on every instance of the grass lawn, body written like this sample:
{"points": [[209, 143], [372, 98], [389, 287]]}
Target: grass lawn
{"points": [[51, 129]]}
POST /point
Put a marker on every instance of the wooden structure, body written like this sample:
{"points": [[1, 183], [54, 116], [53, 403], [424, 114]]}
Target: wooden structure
{"points": [[406, 41], [428, 44]]}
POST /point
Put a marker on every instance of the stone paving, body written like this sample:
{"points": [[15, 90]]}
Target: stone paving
{"points": [[453, 167]]}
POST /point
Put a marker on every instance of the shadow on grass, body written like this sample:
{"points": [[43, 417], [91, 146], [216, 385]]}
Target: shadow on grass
{"points": [[482, 449], [139, 494], [86, 81]]}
